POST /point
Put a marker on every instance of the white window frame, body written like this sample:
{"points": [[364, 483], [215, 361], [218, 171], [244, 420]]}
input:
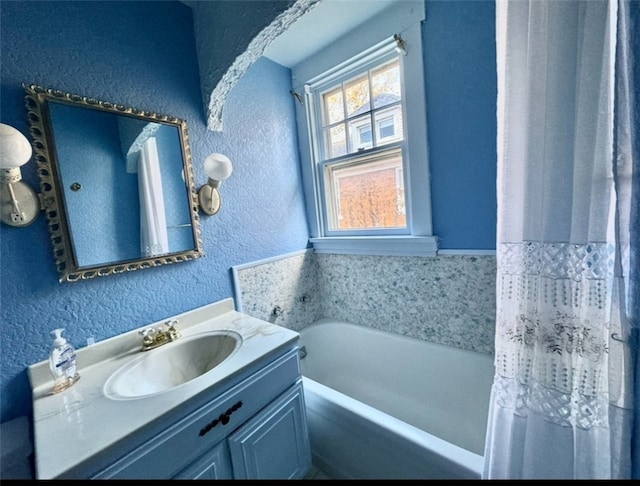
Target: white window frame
{"points": [[404, 20]]}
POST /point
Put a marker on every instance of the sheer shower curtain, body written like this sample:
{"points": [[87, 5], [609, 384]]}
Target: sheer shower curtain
{"points": [[154, 239], [562, 399]]}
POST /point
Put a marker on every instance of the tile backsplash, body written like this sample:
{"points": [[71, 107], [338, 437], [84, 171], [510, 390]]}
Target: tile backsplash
{"points": [[448, 299], [289, 282]]}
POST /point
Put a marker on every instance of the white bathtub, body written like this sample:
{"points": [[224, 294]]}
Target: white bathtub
{"points": [[384, 406]]}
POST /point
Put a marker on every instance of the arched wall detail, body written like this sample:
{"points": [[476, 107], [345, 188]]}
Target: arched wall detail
{"points": [[245, 60]]}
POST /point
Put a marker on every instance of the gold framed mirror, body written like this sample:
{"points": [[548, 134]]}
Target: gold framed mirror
{"points": [[117, 185]]}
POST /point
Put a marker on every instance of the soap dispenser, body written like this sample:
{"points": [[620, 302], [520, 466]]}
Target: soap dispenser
{"points": [[62, 362]]}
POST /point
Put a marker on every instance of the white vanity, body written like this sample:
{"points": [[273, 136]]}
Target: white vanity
{"points": [[244, 418]]}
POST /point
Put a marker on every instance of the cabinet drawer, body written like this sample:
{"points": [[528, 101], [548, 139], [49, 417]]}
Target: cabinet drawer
{"points": [[186, 440]]}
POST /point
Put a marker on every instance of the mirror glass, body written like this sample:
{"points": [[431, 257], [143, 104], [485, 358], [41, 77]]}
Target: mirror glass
{"points": [[117, 184]]}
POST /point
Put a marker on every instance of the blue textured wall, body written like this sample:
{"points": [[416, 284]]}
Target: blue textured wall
{"points": [[139, 54], [460, 66]]}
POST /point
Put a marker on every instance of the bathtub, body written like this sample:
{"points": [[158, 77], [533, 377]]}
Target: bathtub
{"points": [[385, 406]]}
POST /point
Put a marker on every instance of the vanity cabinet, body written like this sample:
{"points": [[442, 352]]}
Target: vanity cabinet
{"points": [[256, 429], [274, 444]]}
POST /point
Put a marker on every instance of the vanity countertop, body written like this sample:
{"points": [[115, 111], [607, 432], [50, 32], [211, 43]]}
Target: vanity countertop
{"points": [[76, 424]]}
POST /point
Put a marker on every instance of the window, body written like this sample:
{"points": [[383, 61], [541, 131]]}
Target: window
{"points": [[365, 135], [359, 165], [365, 163], [386, 129]]}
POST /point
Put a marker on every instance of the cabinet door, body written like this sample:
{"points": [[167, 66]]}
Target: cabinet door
{"points": [[274, 444], [215, 464]]}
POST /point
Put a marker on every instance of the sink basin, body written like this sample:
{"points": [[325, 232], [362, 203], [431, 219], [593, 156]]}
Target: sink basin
{"points": [[172, 365]]}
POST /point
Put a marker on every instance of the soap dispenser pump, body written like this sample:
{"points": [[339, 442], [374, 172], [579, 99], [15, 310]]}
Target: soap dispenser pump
{"points": [[62, 362]]}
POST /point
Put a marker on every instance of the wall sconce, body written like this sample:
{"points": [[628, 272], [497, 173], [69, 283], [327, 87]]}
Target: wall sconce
{"points": [[218, 168], [19, 203]]}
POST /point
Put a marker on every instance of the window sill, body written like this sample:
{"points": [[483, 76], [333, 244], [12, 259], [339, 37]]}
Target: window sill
{"points": [[425, 246]]}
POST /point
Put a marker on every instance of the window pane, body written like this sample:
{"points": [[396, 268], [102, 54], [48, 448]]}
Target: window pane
{"points": [[336, 141], [365, 135], [357, 95], [360, 133], [385, 83], [386, 128], [388, 124], [333, 106], [368, 194]]}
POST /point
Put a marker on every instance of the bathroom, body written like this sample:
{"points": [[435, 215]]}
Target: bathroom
{"points": [[145, 54]]}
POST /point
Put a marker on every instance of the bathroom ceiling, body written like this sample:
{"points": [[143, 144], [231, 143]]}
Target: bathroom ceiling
{"points": [[323, 24]]}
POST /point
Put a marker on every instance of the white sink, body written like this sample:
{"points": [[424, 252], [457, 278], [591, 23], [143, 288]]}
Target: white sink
{"points": [[171, 365]]}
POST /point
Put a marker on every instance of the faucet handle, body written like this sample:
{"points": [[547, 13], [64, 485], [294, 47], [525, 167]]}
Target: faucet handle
{"points": [[147, 334], [173, 332]]}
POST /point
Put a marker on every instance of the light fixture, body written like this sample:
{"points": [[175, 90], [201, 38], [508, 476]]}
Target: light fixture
{"points": [[218, 168], [19, 203]]}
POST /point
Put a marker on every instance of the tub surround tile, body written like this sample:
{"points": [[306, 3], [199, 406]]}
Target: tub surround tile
{"points": [[448, 299], [290, 283]]}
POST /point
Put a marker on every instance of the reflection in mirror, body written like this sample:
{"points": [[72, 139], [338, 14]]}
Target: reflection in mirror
{"points": [[117, 185]]}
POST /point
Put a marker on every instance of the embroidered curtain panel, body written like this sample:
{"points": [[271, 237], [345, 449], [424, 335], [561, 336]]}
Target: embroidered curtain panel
{"points": [[562, 398]]}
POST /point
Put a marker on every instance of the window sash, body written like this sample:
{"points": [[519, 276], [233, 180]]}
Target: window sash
{"points": [[320, 123], [368, 161]]}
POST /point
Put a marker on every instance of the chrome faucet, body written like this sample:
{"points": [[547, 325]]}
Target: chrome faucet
{"points": [[154, 337]]}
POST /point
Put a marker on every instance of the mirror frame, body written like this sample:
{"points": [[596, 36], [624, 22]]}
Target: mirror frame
{"points": [[52, 195]]}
